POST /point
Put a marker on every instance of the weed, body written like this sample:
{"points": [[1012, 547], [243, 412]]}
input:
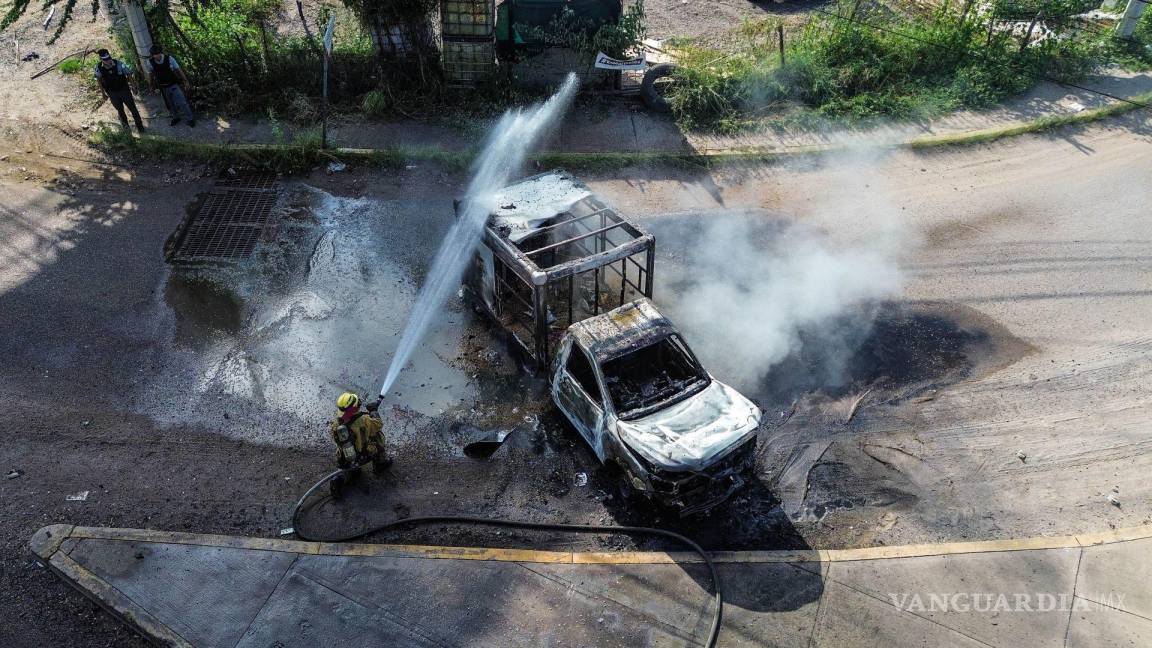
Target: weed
{"points": [[238, 64], [301, 110], [374, 105], [75, 65], [860, 63]]}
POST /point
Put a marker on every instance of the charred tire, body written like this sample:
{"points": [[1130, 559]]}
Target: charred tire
{"points": [[649, 87], [623, 485]]}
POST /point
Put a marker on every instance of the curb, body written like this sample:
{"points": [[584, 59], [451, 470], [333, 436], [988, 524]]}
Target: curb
{"points": [[56, 541], [53, 545]]}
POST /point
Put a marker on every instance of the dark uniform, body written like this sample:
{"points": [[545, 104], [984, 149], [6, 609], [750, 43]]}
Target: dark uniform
{"points": [[164, 74], [114, 80]]}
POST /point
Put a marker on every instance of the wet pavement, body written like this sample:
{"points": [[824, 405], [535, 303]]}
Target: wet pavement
{"points": [[260, 348], [1000, 393]]}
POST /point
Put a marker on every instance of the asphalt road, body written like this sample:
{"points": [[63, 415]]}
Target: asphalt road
{"points": [[1025, 303]]}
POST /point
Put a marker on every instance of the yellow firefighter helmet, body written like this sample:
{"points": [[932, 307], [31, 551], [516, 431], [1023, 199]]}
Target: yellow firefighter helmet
{"points": [[346, 400]]}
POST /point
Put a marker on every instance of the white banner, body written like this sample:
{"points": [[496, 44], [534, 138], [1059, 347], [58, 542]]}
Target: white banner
{"points": [[605, 62]]}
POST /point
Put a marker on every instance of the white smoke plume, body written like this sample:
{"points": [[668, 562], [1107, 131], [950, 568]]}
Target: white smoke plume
{"points": [[751, 289]]}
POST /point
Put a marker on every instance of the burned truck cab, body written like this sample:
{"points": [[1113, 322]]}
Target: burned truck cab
{"points": [[631, 386]]}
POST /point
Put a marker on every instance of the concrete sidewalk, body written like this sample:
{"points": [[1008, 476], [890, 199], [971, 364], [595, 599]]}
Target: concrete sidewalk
{"points": [[200, 590], [629, 128]]}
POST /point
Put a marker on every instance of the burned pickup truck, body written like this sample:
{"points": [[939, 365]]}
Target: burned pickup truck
{"points": [[633, 389], [568, 279]]}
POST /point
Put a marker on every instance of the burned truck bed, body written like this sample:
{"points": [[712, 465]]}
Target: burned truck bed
{"points": [[553, 254]]}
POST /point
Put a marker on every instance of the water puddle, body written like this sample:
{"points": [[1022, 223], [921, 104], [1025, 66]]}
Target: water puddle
{"points": [[264, 347]]}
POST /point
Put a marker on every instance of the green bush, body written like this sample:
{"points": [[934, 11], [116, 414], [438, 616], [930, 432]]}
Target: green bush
{"points": [[583, 35], [375, 104], [870, 63], [238, 64]]}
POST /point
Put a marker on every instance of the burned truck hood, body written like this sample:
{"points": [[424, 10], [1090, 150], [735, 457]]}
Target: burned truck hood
{"points": [[693, 433]]}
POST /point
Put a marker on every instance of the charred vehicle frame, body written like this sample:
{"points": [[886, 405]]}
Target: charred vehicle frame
{"points": [[555, 253], [568, 280]]}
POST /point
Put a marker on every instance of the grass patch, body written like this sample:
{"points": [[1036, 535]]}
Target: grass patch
{"points": [[864, 61], [77, 65]]}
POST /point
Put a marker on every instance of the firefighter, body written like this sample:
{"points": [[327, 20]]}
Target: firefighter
{"points": [[359, 437]]}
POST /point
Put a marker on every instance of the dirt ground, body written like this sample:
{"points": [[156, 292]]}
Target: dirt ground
{"points": [[711, 21]]}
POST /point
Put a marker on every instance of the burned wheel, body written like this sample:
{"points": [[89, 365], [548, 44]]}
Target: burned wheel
{"points": [[623, 485]]}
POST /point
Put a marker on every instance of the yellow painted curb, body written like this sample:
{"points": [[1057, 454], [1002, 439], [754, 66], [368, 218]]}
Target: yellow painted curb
{"points": [[58, 540], [115, 601]]}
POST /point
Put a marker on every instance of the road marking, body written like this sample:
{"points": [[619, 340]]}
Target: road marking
{"points": [[49, 540]]}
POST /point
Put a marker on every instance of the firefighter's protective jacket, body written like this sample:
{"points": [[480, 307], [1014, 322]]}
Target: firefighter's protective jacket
{"points": [[367, 435]]}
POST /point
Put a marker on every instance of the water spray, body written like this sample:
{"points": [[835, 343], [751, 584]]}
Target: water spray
{"points": [[508, 145]]}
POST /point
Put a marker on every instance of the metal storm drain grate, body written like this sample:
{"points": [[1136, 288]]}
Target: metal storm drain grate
{"points": [[233, 217]]}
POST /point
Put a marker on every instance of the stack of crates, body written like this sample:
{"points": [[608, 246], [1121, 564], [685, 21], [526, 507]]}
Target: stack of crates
{"points": [[468, 34]]}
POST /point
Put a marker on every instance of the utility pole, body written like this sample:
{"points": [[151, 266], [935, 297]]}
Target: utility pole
{"points": [[138, 25], [1131, 16], [324, 95]]}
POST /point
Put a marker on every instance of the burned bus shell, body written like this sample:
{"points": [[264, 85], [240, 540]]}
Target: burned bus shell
{"points": [[553, 254]]}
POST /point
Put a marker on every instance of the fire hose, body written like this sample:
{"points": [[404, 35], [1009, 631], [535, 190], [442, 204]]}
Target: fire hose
{"points": [[718, 598]]}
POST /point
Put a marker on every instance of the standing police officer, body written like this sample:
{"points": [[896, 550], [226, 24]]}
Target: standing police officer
{"points": [[113, 77], [168, 78]]}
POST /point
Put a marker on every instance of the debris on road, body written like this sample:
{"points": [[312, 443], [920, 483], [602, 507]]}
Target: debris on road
{"points": [[1021, 455], [1113, 500], [581, 479], [13, 474], [856, 405], [77, 497], [336, 167], [287, 531], [487, 443]]}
